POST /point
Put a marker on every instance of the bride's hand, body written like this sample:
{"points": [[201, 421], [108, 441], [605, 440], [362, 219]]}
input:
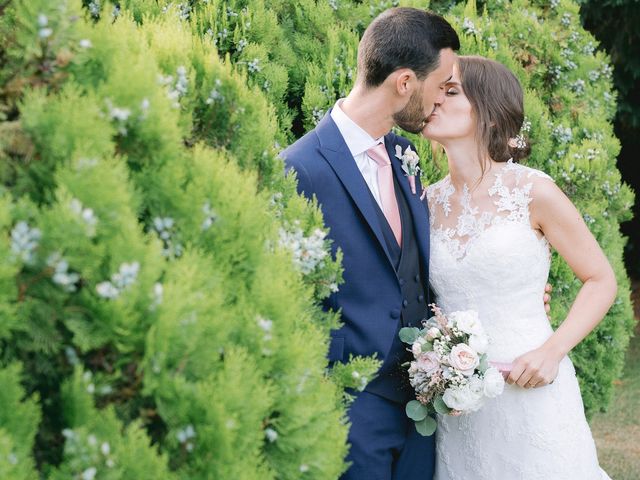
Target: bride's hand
{"points": [[536, 368]]}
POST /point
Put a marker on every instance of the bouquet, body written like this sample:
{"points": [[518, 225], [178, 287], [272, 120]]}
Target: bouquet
{"points": [[450, 372]]}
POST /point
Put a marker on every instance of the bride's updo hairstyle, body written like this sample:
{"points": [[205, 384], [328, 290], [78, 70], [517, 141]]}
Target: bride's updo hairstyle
{"points": [[496, 97]]}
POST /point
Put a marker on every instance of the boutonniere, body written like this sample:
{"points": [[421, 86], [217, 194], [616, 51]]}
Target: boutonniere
{"points": [[410, 165]]}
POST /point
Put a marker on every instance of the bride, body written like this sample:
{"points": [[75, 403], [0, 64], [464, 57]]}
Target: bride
{"points": [[492, 224]]}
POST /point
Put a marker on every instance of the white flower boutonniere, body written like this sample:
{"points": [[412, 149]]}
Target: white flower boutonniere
{"points": [[410, 165]]}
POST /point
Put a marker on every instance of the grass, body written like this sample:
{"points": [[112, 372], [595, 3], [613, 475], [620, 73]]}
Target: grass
{"points": [[617, 432]]}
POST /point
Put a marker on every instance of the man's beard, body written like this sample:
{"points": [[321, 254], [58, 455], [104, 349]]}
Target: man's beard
{"points": [[411, 118]]}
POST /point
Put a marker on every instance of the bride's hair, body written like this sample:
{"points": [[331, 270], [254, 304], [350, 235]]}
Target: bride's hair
{"points": [[496, 97]]}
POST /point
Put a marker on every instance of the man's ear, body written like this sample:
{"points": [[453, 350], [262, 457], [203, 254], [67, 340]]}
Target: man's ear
{"points": [[405, 81]]}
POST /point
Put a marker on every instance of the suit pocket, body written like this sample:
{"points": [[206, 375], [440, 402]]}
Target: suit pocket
{"points": [[336, 349]]}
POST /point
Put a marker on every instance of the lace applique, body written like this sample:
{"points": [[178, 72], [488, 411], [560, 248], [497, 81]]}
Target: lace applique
{"points": [[441, 195], [515, 200], [511, 205]]}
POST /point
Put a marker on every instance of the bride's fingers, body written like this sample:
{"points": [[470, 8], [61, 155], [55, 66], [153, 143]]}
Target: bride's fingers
{"points": [[536, 381], [516, 372], [542, 383], [543, 379], [524, 379], [526, 374]]}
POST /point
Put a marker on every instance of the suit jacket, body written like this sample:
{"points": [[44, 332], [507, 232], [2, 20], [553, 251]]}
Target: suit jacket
{"points": [[370, 298]]}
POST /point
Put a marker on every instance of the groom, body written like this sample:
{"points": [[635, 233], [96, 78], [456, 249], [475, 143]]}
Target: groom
{"points": [[348, 163]]}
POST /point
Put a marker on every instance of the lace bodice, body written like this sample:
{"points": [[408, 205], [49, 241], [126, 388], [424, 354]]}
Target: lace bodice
{"points": [[486, 256], [507, 201]]}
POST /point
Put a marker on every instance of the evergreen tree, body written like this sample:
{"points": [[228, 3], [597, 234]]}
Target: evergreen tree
{"points": [[163, 275], [161, 280]]}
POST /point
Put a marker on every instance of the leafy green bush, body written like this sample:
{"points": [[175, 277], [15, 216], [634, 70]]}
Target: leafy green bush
{"points": [[161, 281], [163, 277]]}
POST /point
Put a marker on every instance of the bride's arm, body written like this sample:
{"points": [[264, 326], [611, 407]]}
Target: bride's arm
{"points": [[558, 219]]}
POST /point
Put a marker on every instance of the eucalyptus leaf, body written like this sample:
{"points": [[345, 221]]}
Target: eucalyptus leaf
{"points": [[409, 334], [416, 411], [426, 427], [440, 406], [484, 363]]}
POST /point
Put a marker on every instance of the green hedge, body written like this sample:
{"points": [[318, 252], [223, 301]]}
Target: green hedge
{"points": [[161, 279], [162, 276]]}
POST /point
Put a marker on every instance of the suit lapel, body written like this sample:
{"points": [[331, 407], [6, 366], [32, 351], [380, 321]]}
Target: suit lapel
{"points": [[419, 211], [335, 151]]}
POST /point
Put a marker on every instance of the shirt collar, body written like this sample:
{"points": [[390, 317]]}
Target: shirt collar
{"points": [[358, 141]]}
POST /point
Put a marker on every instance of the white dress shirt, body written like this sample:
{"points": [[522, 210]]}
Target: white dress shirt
{"points": [[359, 142]]}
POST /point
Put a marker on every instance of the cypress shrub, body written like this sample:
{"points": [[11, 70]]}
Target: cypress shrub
{"points": [[163, 277], [161, 280]]}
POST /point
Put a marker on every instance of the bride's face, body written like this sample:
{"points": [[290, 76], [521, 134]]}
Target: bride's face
{"points": [[453, 118]]}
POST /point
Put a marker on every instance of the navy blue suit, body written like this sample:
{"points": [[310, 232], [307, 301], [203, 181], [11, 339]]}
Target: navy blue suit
{"points": [[384, 443]]}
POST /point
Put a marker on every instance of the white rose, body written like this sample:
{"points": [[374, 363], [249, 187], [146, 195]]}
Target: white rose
{"points": [[413, 368], [416, 349], [493, 382], [476, 385], [433, 333], [467, 321], [428, 363], [479, 342], [463, 398], [464, 358]]}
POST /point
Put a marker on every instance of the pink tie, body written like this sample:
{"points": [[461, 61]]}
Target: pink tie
{"points": [[387, 193]]}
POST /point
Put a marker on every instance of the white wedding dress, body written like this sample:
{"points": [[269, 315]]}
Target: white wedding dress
{"points": [[486, 257]]}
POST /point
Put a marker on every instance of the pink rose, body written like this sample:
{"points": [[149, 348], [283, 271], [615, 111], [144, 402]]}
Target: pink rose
{"points": [[428, 363], [464, 358]]}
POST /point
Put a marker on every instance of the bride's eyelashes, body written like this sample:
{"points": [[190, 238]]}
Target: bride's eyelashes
{"points": [[451, 92]]}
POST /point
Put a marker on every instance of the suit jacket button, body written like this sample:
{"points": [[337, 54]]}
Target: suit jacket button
{"points": [[395, 313], [405, 303], [420, 298]]}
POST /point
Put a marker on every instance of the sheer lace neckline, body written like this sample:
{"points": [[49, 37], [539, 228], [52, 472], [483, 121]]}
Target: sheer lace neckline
{"points": [[506, 201]]}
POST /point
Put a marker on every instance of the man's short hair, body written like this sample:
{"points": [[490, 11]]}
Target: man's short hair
{"points": [[403, 37]]}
